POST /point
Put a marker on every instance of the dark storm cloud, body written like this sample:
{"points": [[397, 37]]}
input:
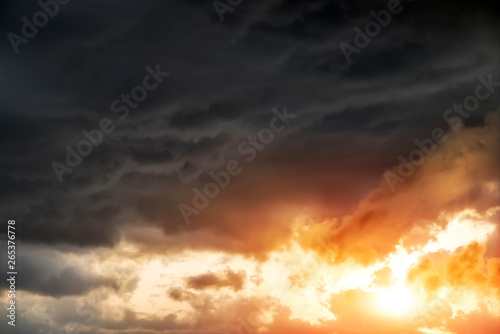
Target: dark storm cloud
{"points": [[225, 79]]}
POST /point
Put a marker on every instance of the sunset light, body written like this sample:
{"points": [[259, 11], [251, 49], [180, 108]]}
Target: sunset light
{"points": [[250, 167], [396, 300]]}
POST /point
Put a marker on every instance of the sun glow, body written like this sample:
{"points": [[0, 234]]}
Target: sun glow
{"points": [[396, 300]]}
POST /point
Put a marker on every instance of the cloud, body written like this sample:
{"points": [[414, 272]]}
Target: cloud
{"points": [[230, 279], [214, 98], [466, 270], [452, 179], [52, 273]]}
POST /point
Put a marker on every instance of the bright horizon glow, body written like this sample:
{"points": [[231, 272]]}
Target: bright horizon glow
{"points": [[297, 279]]}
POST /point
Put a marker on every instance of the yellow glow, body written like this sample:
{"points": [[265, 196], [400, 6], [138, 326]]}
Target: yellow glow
{"points": [[396, 300]]}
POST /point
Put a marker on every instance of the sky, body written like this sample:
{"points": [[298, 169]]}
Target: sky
{"points": [[245, 166]]}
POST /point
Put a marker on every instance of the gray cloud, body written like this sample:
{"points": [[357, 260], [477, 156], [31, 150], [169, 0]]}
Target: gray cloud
{"points": [[48, 273]]}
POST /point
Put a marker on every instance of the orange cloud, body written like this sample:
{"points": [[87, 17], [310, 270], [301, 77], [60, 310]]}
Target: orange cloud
{"points": [[467, 269], [462, 173]]}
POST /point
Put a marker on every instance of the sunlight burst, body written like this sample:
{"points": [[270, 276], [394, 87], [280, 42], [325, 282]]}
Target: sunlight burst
{"points": [[396, 300]]}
